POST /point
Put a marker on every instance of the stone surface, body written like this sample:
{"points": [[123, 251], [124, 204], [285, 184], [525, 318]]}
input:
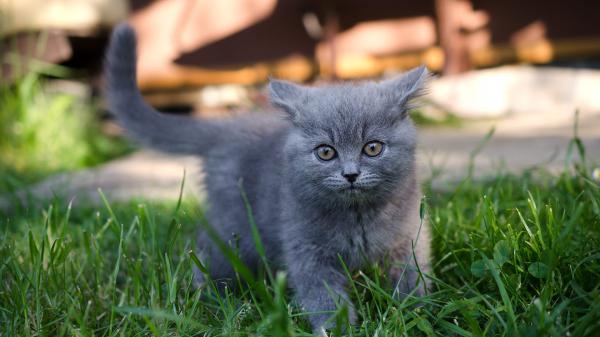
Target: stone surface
{"points": [[145, 174], [448, 153], [519, 142], [512, 90]]}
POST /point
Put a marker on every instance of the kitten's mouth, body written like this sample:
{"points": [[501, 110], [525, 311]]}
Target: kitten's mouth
{"points": [[353, 188]]}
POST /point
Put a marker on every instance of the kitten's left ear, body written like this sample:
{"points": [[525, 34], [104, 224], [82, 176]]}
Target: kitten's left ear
{"points": [[404, 89]]}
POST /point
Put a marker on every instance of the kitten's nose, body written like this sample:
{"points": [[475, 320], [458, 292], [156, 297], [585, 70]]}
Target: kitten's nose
{"points": [[350, 171], [351, 177]]}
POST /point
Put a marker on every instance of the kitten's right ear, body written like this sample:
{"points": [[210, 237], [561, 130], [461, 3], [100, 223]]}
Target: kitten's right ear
{"points": [[286, 95]]}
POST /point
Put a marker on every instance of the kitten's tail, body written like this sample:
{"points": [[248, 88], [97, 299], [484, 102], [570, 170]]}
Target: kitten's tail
{"points": [[165, 132]]}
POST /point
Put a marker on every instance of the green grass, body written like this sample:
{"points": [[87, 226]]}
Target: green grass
{"points": [[42, 133], [446, 120], [513, 256]]}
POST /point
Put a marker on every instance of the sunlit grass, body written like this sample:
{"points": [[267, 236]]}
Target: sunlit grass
{"points": [[43, 133]]}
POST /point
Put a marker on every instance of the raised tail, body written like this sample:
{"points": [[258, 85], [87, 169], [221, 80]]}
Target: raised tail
{"points": [[166, 132]]}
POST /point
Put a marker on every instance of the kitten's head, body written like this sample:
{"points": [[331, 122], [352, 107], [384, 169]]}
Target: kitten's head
{"points": [[351, 142]]}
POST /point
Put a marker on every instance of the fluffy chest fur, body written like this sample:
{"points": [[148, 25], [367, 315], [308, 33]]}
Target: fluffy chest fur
{"points": [[359, 235]]}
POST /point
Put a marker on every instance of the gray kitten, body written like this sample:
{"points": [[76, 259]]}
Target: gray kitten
{"points": [[336, 178]]}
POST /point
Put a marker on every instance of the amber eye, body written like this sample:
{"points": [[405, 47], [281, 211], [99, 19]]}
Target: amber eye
{"points": [[373, 149], [325, 152]]}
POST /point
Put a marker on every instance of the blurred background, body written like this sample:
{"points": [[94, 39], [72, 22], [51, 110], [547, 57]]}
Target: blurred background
{"points": [[519, 68]]}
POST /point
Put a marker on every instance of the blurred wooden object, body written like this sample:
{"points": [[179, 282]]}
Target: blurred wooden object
{"points": [[23, 52], [371, 45], [80, 16], [36, 34], [451, 38], [462, 30], [295, 67], [540, 52], [192, 43], [273, 38], [329, 60], [192, 25]]}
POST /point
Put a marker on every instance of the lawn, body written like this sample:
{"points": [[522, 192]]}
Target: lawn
{"points": [[513, 255]]}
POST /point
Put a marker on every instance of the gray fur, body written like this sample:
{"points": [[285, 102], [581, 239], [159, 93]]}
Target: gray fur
{"points": [[305, 211]]}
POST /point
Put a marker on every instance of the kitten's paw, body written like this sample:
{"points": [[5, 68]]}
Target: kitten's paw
{"points": [[351, 316], [321, 332], [410, 284], [322, 323], [403, 291], [199, 278]]}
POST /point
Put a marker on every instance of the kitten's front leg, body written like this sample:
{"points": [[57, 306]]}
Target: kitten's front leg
{"points": [[410, 262], [319, 286]]}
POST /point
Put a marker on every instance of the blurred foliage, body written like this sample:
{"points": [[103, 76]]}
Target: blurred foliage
{"points": [[421, 118], [42, 132]]}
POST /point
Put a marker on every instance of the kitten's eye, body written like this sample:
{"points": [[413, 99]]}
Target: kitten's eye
{"points": [[325, 152], [373, 149]]}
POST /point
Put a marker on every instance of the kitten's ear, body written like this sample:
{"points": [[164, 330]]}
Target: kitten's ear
{"points": [[286, 95], [407, 87]]}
